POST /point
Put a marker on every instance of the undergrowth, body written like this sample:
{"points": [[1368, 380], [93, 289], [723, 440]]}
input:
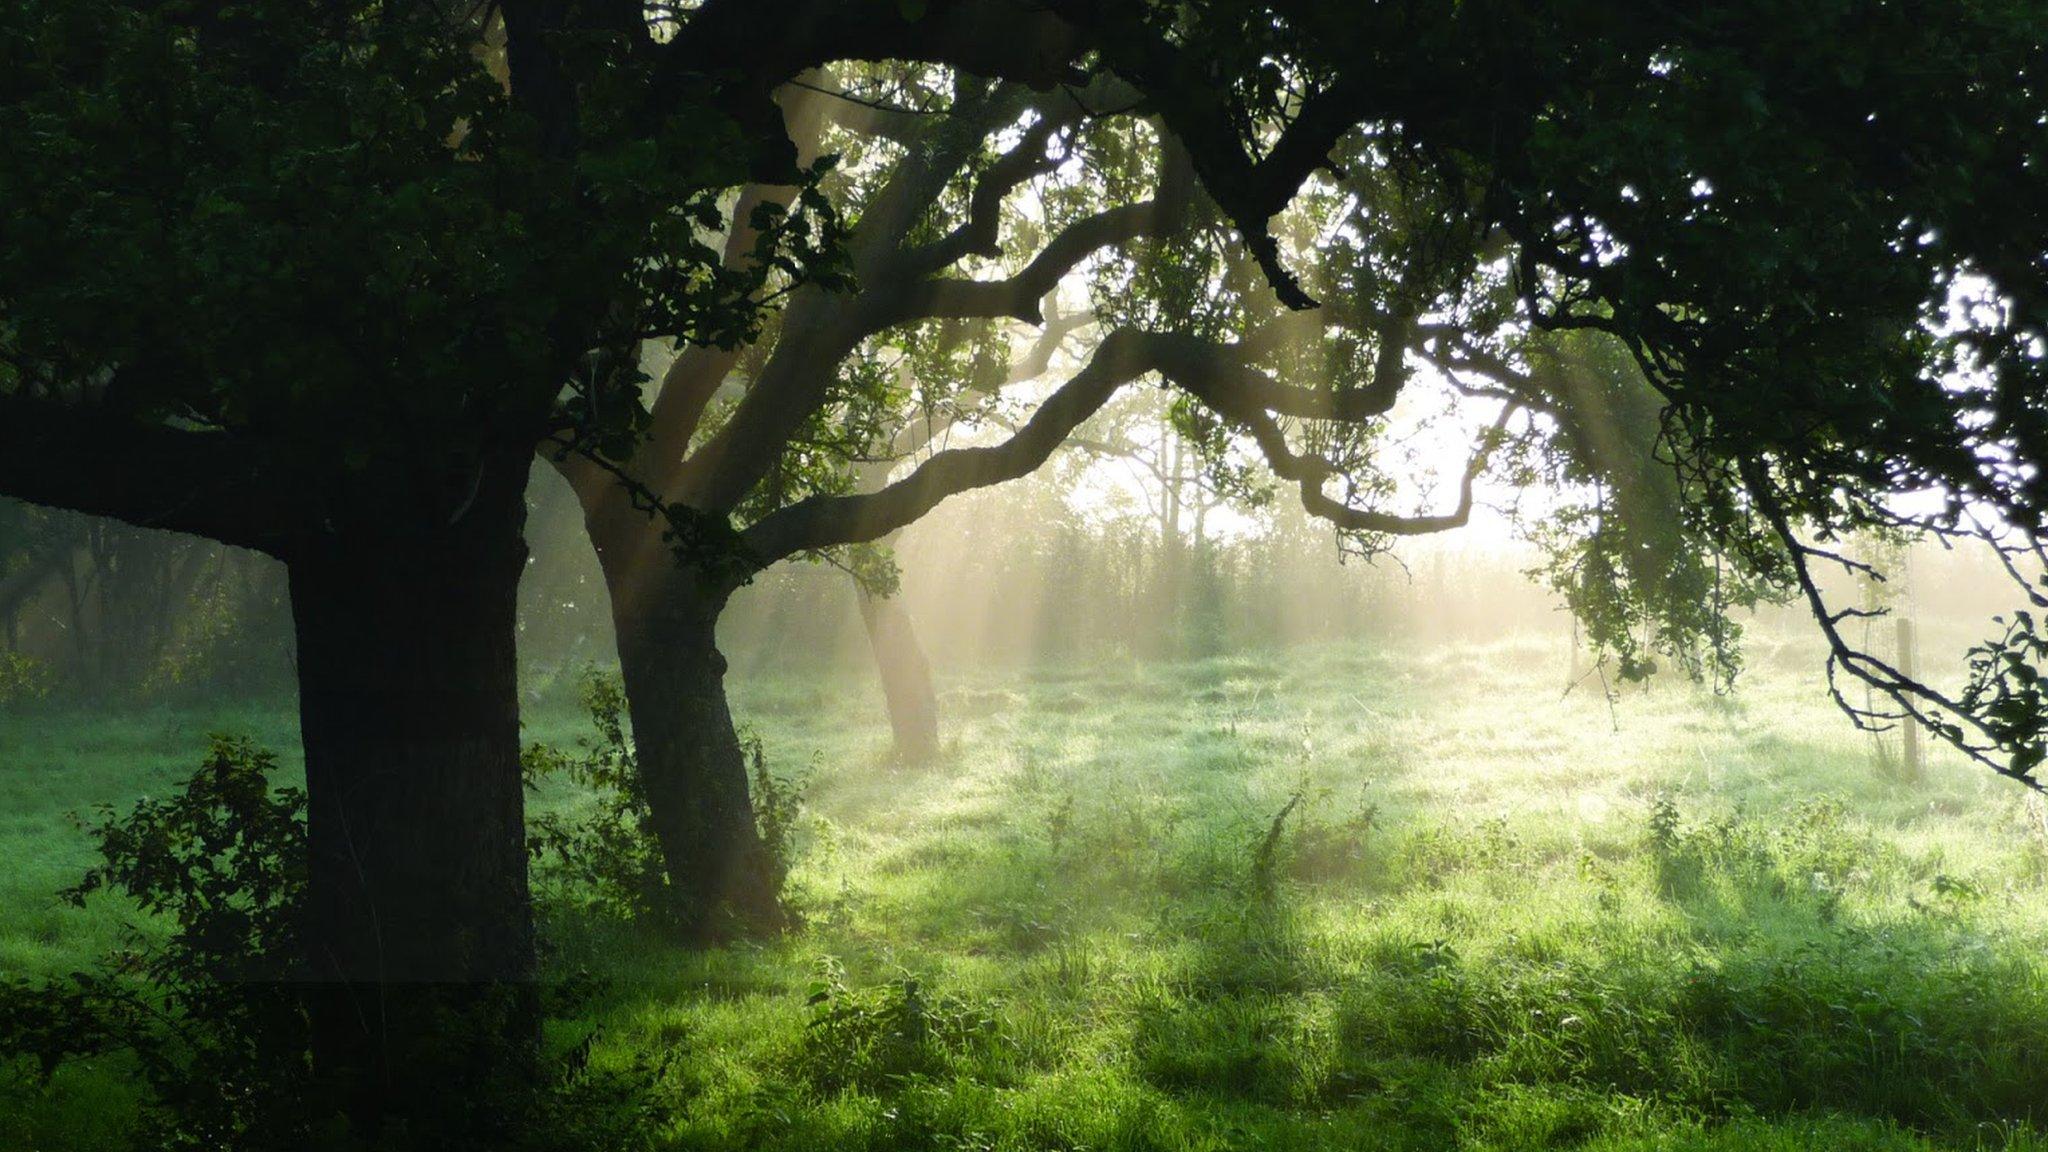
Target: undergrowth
{"points": [[210, 1012]]}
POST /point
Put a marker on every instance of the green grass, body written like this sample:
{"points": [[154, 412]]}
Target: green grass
{"points": [[1497, 918]]}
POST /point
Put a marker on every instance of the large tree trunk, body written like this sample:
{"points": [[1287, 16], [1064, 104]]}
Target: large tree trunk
{"points": [[691, 764], [419, 935], [906, 676]]}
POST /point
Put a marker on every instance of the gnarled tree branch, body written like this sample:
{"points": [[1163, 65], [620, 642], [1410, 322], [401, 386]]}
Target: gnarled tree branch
{"points": [[1213, 373], [826, 521]]}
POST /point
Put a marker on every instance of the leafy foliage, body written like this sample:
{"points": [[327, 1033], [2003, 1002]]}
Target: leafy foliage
{"points": [[210, 1011], [23, 679], [609, 858], [2005, 688], [212, 1008], [356, 244], [886, 1035], [778, 805]]}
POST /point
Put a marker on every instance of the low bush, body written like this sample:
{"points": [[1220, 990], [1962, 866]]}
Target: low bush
{"points": [[605, 858], [886, 1035], [206, 996]]}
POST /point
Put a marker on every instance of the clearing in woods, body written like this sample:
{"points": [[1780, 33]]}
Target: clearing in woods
{"points": [[1338, 897]]}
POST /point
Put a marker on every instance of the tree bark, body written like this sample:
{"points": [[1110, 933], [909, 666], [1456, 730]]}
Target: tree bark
{"points": [[419, 934], [691, 762], [906, 676]]}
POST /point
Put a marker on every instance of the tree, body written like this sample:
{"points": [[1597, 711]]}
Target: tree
{"points": [[844, 386], [1620, 239], [317, 283], [1153, 443], [900, 661], [1761, 203]]}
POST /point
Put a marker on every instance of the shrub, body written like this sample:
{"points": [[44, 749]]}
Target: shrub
{"points": [[778, 805], [1334, 848], [23, 679], [869, 1038], [210, 1011], [609, 860]]}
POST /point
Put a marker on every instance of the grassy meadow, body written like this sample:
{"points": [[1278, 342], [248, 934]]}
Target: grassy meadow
{"points": [[1338, 897]]}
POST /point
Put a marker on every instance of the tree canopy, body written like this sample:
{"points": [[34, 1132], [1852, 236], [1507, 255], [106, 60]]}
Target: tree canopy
{"points": [[263, 243]]}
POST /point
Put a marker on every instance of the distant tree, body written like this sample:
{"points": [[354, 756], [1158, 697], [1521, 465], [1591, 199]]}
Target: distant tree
{"points": [[35, 546], [119, 610], [900, 661], [1148, 442], [901, 665]]}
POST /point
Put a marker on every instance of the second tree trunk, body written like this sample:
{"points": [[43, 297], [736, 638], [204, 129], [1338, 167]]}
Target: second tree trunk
{"points": [[692, 766]]}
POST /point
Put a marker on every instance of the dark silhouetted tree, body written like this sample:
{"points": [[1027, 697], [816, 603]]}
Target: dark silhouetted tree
{"points": [[317, 282]]}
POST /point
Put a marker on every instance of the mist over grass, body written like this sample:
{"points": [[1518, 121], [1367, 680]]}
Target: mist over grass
{"points": [[1356, 895]]}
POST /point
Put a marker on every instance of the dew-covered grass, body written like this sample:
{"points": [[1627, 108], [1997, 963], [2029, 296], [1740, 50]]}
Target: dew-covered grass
{"points": [[1335, 897]]}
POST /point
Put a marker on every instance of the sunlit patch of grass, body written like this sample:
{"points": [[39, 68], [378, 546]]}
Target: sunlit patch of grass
{"points": [[1337, 897]]}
